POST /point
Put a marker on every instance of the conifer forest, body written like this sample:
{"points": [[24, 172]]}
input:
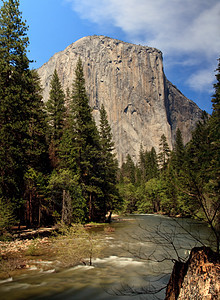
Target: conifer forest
{"points": [[58, 165]]}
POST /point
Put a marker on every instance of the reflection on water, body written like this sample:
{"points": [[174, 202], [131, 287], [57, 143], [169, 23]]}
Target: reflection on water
{"points": [[137, 254]]}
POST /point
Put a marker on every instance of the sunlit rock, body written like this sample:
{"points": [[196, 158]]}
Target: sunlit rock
{"points": [[129, 80]]}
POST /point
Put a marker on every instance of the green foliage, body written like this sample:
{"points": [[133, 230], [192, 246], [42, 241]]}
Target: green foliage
{"points": [[216, 96], [164, 153], [35, 191], [33, 248], [74, 244], [178, 154], [80, 148], [109, 166], [72, 209], [81, 185], [156, 194], [133, 179], [22, 121], [37, 149], [55, 107], [214, 127], [198, 177], [128, 170], [127, 191], [14, 110], [55, 115], [6, 216]]}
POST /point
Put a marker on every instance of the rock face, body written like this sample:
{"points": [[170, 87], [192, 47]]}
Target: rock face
{"points": [[129, 80], [198, 278]]}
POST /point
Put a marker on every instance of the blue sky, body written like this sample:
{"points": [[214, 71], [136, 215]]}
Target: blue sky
{"points": [[186, 31]]}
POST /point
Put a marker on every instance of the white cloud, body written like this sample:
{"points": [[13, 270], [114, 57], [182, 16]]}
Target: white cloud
{"points": [[176, 27], [170, 25], [202, 80]]}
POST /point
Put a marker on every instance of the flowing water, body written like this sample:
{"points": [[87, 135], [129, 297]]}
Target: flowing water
{"points": [[138, 254]]}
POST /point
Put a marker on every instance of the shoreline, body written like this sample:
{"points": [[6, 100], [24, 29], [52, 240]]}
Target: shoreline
{"points": [[28, 245], [35, 249]]}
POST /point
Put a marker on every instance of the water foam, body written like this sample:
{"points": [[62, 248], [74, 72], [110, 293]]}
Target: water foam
{"points": [[6, 280], [118, 261]]}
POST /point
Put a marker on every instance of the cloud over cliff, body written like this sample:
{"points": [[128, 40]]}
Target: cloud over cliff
{"points": [[178, 28], [174, 25]]}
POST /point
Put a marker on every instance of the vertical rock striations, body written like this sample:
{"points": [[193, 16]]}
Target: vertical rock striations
{"points": [[129, 80], [182, 113]]}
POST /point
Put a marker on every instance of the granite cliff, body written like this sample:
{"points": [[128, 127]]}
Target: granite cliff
{"points": [[129, 80]]}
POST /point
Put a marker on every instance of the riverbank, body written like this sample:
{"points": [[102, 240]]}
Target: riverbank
{"points": [[20, 255], [51, 248], [119, 255], [44, 249]]}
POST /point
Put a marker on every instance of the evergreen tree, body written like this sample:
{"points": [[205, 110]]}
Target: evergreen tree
{"points": [[178, 153], [148, 166], [37, 150], [56, 115], [174, 177], [68, 100], [65, 192], [214, 168], [201, 176], [152, 164], [81, 148], [164, 153], [128, 170], [216, 96], [36, 157], [109, 164], [214, 127], [141, 172], [22, 143], [14, 103]]}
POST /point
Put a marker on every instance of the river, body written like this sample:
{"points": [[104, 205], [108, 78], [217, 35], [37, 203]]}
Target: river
{"points": [[138, 253]]}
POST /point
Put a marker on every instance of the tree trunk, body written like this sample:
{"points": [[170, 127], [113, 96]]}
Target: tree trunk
{"points": [[110, 217], [90, 206], [39, 214], [66, 216], [63, 207]]}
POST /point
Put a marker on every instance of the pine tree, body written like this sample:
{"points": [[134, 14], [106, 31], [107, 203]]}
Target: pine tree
{"points": [[56, 115], [214, 168], [142, 169], [109, 164], [202, 164], [164, 153], [128, 170], [214, 125], [152, 165], [80, 149], [216, 96], [14, 103], [201, 176], [67, 101], [37, 150], [22, 143], [148, 165], [36, 157], [175, 177], [178, 154]]}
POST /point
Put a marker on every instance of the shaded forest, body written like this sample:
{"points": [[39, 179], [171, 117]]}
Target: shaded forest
{"points": [[56, 164]]}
